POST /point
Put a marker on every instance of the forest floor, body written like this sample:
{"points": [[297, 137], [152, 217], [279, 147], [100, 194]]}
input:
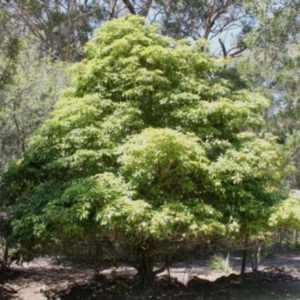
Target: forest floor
{"points": [[278, 278]]}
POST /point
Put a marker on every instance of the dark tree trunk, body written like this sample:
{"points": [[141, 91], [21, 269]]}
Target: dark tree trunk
{"points": [[244, 262], [4, 262], [5, 255], [243, 269], [145, 269]]}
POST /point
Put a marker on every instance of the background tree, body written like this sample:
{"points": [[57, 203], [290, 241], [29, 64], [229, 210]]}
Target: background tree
{"points": [[25, 102], [9, 49], [148, 147], [62, 27], [28, 100], [286, 214], [271, 66], [224, 22], [284, 221]]}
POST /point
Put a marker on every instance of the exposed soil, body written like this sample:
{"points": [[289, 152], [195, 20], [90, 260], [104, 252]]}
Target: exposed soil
{"points": [[278, 278]]}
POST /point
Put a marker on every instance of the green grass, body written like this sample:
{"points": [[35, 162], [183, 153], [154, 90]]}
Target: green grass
{"points": [[220, 263]]}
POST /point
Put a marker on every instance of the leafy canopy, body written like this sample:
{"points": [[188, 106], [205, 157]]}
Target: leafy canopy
{"points": [[148, 144], [286, 213]]}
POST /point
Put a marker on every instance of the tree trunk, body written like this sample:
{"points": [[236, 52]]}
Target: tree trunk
{"points": [[256, 252], [244, 257], [5, 255], [145, 269], [281, 239], [4, 261], [244, 262], [295, 238]]}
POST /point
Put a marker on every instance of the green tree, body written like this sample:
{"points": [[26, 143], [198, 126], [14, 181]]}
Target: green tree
{"points": [[224, 22], [148, 148], [60, 27], [9, 49], [271, 66], [285, 220], [286, 214], [25, 102], [28, 100]]}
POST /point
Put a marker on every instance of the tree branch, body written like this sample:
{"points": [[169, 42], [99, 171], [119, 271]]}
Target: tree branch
{"points": [[237, 52], [144, 12], [163, 268], [212, 20], [112, 13], [129, 6], [223, 48]]}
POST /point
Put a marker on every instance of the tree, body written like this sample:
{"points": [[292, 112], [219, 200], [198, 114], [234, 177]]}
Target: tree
{"points": [[286, 213], [28, 100], [60, 27], [285, 218], [9, 49], [271, 66], [225, 22], [25, 102], [149, 148]]}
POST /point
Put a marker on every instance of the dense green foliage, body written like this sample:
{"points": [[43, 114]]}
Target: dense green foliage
{"points": [[28, 100], [9, 49], [148, 146], [271, 66], [286, 214]]}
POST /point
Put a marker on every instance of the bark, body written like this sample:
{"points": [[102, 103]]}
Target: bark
{"points": [[5, 255], [244, 262], [145, 269], [129, 6], [244, 256], [223, 48], [256, 253]]}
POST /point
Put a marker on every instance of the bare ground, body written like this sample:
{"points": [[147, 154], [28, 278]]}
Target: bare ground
{"points": [[278, 278]]}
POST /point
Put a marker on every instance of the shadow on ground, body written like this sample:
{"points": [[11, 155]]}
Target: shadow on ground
{"points": [[278, 278]]}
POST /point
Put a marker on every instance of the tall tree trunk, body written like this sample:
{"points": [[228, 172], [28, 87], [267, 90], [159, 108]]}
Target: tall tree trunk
{"points": [[145, 269]]}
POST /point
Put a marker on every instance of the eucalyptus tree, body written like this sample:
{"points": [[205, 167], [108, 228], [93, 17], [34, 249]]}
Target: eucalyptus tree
{"points": [[271, 66], [223, 22], [25, 102], [9, 49], [148, 148], [28, 100], [62, 27]]}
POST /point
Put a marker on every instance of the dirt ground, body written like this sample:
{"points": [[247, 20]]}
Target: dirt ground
{"points": [[44, 278]]}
